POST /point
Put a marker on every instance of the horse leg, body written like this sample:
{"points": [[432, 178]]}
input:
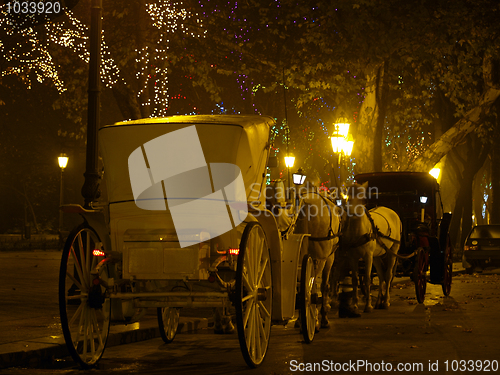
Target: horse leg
{"points": [[368, 270], [354, 280], [333, 285], [339, 271], [319, 265], [325, 306], [382, 275], [390, 271], [348, 298]]}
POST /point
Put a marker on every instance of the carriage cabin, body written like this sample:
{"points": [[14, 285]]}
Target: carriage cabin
{"points": [[414, 196]]}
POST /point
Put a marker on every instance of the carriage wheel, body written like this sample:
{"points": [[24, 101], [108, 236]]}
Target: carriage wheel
{"points": [[448, 267], [307, 310], [168, 321], [83, 304], [253, 295], [419, 275]]}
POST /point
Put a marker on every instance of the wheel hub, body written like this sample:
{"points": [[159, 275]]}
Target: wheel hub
{"points": [[262, 294]]}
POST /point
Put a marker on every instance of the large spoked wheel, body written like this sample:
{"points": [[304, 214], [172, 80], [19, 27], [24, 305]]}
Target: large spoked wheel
{"points": [[253, 295], [448, 267], [168, 321], [419, 275], [83, 304], [307, 309]]}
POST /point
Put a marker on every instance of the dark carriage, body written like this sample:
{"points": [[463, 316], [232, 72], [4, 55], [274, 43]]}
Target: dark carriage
{"points": [[425, 243]]}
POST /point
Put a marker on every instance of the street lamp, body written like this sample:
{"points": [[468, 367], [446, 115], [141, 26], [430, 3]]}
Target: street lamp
{"points": [[289, 161], [342, 143], [434, 172], [63, 162]]}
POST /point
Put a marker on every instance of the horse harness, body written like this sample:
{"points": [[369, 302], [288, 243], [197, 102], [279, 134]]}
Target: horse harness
{"points": [[331, 235], [375, 234]]}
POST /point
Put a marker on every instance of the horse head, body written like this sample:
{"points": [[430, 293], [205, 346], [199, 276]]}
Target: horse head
{"points": [[357, 196]]}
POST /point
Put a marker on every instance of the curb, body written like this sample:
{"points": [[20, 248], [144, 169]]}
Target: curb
{"points": [[46, 352]]}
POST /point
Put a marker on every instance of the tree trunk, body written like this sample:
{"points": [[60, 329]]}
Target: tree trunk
{"points": [[476, 154], [494, 207], [382, 95], [368, 119], [473, 118], [126, 101]]}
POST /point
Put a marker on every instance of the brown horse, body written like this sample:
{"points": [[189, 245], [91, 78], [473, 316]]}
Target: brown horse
{"points": [[373, 236], [320, 218]]}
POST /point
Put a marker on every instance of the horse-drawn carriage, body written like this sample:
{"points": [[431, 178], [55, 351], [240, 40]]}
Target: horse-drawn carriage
{"points": [[425, 248], [183, 222]]}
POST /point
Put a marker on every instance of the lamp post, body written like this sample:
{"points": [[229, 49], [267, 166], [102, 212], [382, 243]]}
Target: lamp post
{"points": [[63, 162], [289, 161]]}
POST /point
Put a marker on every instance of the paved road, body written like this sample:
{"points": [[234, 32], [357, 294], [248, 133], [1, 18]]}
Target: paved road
{"points": [[463, 327]]}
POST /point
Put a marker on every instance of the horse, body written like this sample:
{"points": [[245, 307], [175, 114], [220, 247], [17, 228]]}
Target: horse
{"points": [[320, 218], [373, 236]]}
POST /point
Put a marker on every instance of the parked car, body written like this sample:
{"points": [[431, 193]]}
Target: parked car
{"points": [[482, 248]]}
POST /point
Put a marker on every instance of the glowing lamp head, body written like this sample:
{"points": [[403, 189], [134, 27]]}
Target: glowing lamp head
{"points": [[423, 199], [342, 126], [63, 161], [338, 143], [434, 172], [289, 161]]}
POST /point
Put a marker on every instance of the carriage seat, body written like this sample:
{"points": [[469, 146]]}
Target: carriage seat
{"points": [[276, 203]]}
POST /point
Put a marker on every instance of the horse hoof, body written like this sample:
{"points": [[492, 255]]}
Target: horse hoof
{"points": [[368, 309], [325, 323], [348, 313], [297, 324], [229, 328]]}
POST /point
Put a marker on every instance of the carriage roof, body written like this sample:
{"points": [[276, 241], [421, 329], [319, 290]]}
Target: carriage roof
{"points": [[400, 183], [401, 191], [245, 121], [241, 140]]}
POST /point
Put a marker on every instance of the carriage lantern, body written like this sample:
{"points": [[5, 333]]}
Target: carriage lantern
{"points": [[423, 201], [299, 177]]}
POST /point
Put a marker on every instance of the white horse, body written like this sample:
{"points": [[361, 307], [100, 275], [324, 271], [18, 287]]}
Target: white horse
{"points": [[373, 236], [320, 218]]}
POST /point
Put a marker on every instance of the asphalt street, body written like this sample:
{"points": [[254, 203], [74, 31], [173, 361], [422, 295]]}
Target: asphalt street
{"points": [[460, 330]]}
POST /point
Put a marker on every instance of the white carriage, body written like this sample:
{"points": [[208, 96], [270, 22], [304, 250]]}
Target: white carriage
{"points": [[184, 222]]}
